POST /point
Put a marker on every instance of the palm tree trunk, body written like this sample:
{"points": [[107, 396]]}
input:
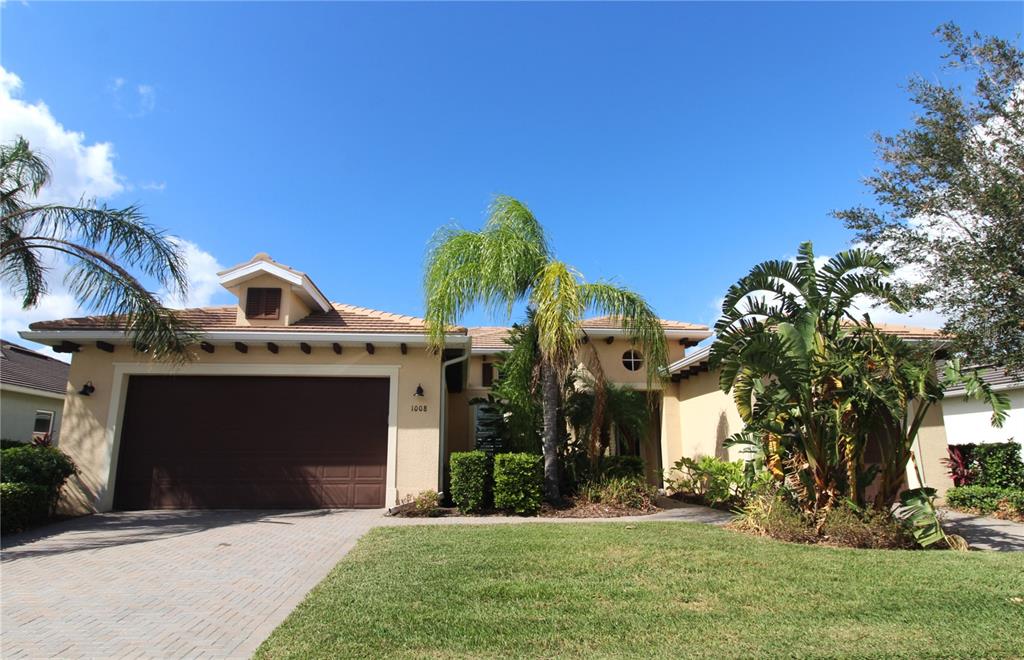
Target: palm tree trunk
{"points": [[549, 401]]}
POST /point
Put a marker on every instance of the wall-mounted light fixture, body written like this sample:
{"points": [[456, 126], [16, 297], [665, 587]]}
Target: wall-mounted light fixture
{"points": [[87, 389], [419, 391]]}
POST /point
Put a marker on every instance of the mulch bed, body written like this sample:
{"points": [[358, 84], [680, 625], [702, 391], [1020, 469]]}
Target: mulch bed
{"points": [[591, 510]]}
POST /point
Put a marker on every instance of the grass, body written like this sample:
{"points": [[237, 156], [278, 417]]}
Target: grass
{"points": [[650, 590]]}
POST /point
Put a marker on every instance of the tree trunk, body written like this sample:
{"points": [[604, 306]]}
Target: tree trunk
{"points": [[550, 444]]}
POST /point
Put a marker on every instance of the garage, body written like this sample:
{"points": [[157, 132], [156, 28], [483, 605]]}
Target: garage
{"points": [[268, 442]]}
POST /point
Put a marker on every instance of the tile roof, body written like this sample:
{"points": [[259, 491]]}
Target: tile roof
{"points": [[343, 318], [701, 355], [24, 367], [489, 338], [996, 377], [608, 322]]}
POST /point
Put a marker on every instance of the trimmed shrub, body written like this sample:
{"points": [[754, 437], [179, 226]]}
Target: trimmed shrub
{"points": [[624, 492], [470, 474], [23, 505], [622, 467], [43, 466], [7, 443], [517, 482], [986, 499]]}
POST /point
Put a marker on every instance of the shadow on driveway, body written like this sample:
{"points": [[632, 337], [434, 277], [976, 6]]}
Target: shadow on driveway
{"points": [[984, 533], [102, 530]]}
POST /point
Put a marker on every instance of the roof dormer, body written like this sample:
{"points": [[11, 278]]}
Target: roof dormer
{"points": [[272, 294]]}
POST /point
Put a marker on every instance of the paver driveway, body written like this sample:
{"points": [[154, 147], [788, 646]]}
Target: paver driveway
{"points": [[166, 584]]}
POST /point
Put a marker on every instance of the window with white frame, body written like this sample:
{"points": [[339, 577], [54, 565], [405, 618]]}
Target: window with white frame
{"points": [[43, 424], [632, 360]]}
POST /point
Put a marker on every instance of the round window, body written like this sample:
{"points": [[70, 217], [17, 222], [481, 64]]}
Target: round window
{"points": [[632, 360]]}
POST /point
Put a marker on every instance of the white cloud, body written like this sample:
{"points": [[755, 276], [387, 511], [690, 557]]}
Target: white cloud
{"points": [[79, 169], [147, 99], [204, 285]]}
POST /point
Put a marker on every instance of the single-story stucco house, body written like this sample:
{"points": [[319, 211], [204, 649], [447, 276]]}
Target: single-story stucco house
{"points": [[967, 420], [293, 401], [31, 394]]}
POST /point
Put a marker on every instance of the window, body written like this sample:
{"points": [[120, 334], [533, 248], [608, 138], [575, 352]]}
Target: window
{"points": [[261, 303], [43, 424], [632, 360], [488, 374]]}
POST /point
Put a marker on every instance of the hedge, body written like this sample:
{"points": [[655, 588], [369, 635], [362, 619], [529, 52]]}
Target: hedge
{"points": [[43, 466], [517, 482], [622, 467], [994, 464], [985, 499], [23, 505], [470, 477]]}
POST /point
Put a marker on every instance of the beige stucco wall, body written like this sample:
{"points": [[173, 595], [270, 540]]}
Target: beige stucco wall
{"points": [[18, 415], [930, 451], [705, 417], [610, 356], [86, 438]]}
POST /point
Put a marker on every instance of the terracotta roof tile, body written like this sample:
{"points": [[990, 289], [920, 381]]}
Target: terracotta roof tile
{"points": [[24, 367], [343, 318], [609, 322], [489, 337]]}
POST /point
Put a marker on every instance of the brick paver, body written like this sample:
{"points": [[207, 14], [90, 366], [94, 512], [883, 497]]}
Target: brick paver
{"points": [[186, 584], [165, 584]]}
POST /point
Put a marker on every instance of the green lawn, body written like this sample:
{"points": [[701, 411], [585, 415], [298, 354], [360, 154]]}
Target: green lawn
{"points": [[650, 590]]}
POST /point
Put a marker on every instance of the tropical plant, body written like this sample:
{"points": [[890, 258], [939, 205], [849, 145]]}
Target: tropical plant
{"points": [[816, 385], [509, 262], [593, 407], [710, 479], [102, 244]]}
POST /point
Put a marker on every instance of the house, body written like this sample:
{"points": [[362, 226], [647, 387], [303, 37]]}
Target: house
{"points": [[292, 401], [968, 420], [31, 394]]}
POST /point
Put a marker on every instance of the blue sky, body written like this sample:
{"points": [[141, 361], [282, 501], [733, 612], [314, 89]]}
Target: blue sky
{"points": [[666, 146]]}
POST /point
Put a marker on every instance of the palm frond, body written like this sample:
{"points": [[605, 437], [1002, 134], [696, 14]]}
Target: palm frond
{"points": [[637, 318]]}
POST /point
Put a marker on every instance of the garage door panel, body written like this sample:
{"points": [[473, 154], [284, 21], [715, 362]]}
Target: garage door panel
{"points": [[253, 442]]}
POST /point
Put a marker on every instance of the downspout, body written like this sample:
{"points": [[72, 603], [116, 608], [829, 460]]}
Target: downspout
{"points": [[442, 444]]}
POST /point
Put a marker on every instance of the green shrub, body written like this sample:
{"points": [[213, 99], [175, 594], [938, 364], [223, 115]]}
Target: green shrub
{"points": [[986, 499], [22, 506], [517, 482], [710, 479], [470, 477], [7, 443], [43, 466], [998, 465], [625, 492], [621, 467]]}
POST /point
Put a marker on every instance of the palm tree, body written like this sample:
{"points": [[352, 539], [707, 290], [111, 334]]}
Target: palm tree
{"points": [[509, 262], [101, 243]]}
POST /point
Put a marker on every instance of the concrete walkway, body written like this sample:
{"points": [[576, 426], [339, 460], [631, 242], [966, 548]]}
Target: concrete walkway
{"points": [[188, 584], [983, 532]]}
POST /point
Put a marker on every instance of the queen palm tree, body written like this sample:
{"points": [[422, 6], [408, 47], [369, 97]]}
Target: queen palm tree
{"points": [[101, 244], [509, 262]]}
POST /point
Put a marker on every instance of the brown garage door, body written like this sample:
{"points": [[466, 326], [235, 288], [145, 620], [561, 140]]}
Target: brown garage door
{"points": [[207, 442]]}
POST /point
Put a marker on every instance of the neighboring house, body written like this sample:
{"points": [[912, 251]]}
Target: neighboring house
{"points": [[969, 420], [31, 394]]}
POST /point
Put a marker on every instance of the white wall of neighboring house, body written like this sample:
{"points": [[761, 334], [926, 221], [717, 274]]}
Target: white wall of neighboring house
{"points": [[968, 420], [18, 414]]}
